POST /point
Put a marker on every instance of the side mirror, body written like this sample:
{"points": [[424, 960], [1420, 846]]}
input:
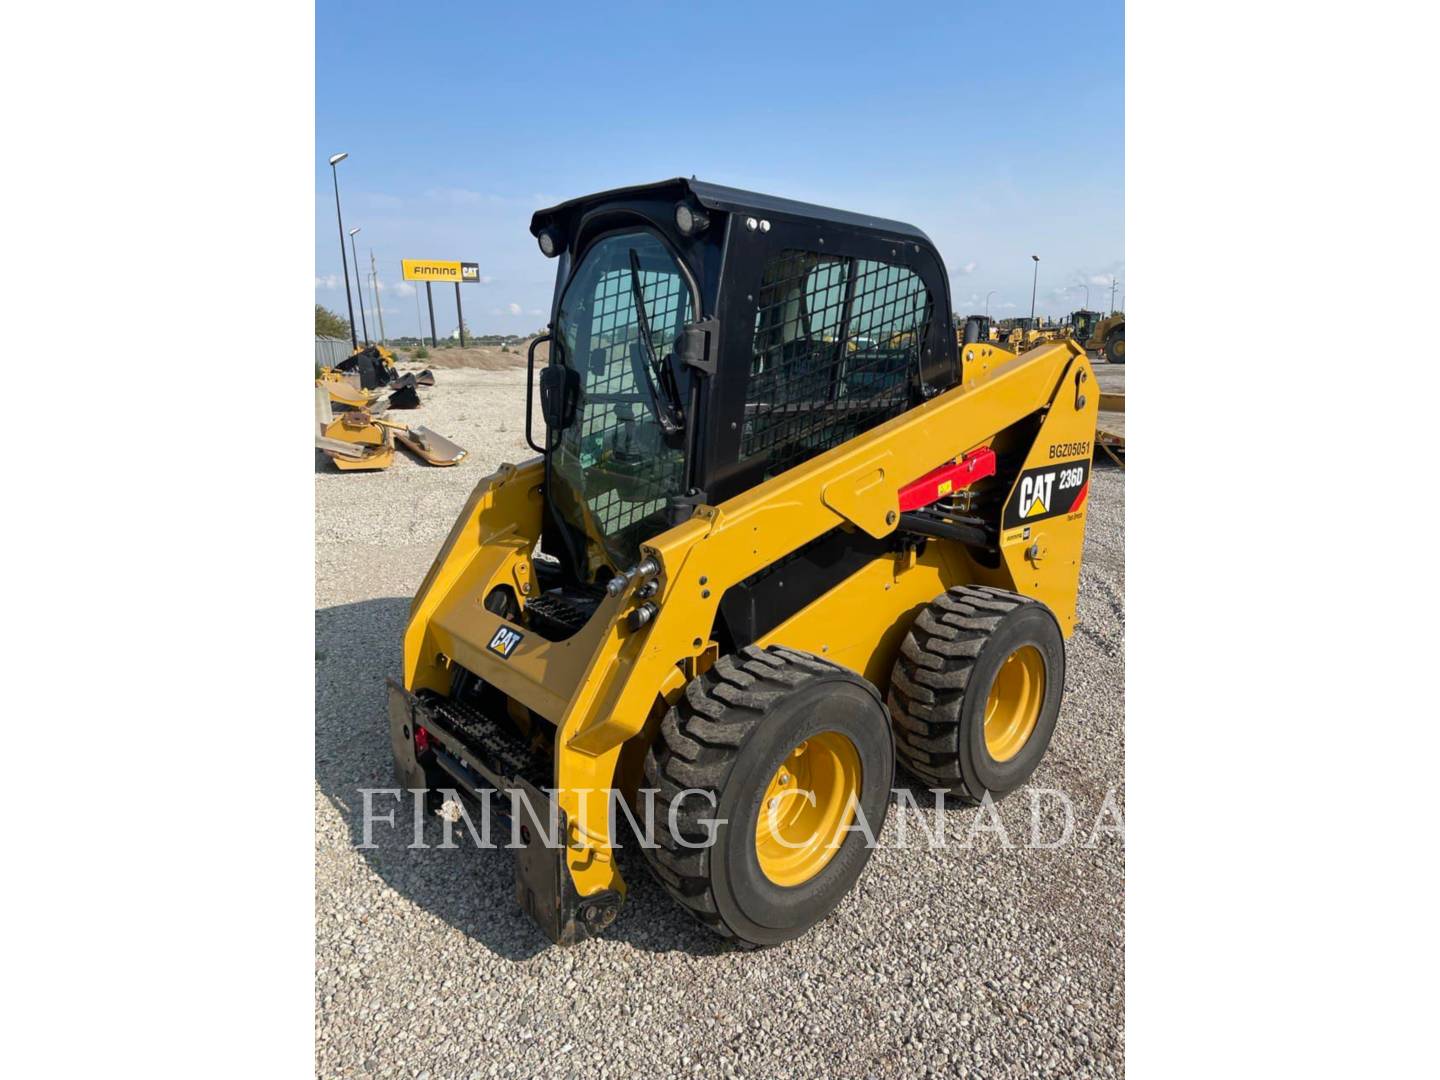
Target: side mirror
{"points": [[559, 396]]}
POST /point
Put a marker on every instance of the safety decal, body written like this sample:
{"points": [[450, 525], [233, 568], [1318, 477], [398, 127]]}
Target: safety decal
{"points": [[1047, 492]]}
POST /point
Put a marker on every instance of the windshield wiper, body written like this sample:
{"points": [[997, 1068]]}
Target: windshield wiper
{"points": [[667, 411]]}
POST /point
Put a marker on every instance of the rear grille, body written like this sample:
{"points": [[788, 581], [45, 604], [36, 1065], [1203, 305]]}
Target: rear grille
{"points": [[498, 745], [557, 615]]}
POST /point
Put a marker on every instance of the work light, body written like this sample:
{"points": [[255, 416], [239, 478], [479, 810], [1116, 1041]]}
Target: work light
{"points": [[689, 221], [549, 243]]}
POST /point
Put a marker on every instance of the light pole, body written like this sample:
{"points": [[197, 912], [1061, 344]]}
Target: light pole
{"points": [[1112, 294], [1087, 296], [989, 294], [375, 284], [335, 174], [358, 287], [1033, 284]]}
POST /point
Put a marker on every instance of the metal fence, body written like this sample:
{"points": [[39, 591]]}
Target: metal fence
{"points": [[330, 351]]}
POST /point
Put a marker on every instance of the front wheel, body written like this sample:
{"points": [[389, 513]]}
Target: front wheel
{"points": [[1115, 346], [769, 761]]}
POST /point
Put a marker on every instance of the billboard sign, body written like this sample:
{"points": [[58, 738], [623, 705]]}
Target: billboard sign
{"points": [[439, 270]]}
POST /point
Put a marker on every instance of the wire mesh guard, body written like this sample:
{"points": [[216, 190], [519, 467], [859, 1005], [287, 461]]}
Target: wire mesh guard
{"points": [[818, 378], [628, 471]]}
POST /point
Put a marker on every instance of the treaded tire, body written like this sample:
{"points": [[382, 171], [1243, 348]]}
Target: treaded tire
{"points": [[726, 736], [941, 682], [1110, 349]]}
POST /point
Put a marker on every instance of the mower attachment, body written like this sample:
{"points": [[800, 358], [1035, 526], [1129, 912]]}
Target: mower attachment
{"points": [[441, 745]]}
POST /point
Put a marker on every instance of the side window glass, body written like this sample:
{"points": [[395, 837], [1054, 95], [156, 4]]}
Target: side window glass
{"points": [[816, 381]]}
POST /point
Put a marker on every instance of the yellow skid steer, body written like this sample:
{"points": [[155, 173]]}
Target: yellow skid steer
{"points": [[775, 539]]}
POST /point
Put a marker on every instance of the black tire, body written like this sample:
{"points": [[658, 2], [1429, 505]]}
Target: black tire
{"points": [[727, 736], [942, 679], [1115, 346]]}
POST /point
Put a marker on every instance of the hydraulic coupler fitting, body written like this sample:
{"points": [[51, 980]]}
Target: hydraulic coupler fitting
{"points": [[647, 567]]}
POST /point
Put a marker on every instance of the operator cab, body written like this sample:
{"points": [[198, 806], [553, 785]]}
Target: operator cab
{"points": [[1083, 324], [704, 339]]}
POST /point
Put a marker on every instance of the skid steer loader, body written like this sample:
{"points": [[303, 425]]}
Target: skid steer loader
{"points": [[772, 542]]}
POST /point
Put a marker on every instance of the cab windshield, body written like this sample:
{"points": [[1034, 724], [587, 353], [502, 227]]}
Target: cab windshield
{"points": [[614, 467]]}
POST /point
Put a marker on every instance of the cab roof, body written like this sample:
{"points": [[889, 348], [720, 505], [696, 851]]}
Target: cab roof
{"points": [[728, 200]]}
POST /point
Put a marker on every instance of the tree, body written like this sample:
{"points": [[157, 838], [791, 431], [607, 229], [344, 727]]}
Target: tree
{"points": [[328, 324]]}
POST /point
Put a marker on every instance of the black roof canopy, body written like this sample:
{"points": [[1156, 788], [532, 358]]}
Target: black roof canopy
{"points": [[730, 200]]}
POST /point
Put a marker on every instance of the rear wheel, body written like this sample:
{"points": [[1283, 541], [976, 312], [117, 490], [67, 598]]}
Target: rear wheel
{"points": [[1115, 346], [786, 750], [976, 690]]}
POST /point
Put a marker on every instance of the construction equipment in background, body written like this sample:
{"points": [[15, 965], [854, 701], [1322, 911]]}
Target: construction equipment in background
{"points": [[1022, 333], [1104, 334], [1110, 335], [358, 440], [978, 328], [768, 502]]}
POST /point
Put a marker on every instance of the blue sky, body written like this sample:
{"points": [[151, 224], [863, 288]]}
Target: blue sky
{"points": [[996, 128]]}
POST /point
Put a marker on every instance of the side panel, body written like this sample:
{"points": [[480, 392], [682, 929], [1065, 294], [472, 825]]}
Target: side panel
{"points": [[502, 519], [1042, 531]]}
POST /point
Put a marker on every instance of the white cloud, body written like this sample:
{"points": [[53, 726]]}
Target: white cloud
{"points": [[516, 309], [327, 281], [968, 268]]}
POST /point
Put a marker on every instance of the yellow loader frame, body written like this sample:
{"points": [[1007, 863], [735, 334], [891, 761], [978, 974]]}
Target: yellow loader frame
{"points": [[606, 688]]}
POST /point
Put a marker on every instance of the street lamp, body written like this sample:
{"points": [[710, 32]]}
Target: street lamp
{"points": [[1087, 296], [335, 175], [358, 287], [989, 294], [1033, 284]]}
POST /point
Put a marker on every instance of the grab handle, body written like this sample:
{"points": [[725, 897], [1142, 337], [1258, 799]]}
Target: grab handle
{"points": [[530, 397]]}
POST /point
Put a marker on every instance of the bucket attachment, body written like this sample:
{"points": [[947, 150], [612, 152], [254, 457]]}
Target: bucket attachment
{"points": [[405, 397], [430, 447], [345, 390], [425, 378]]}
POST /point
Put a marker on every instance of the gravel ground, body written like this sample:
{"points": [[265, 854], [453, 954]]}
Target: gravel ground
{"points": [[988, 957]]}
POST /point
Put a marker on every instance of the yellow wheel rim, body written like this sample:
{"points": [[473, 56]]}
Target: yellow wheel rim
{"points": [[808, 804], [1013, 707], [1120, 347]]}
